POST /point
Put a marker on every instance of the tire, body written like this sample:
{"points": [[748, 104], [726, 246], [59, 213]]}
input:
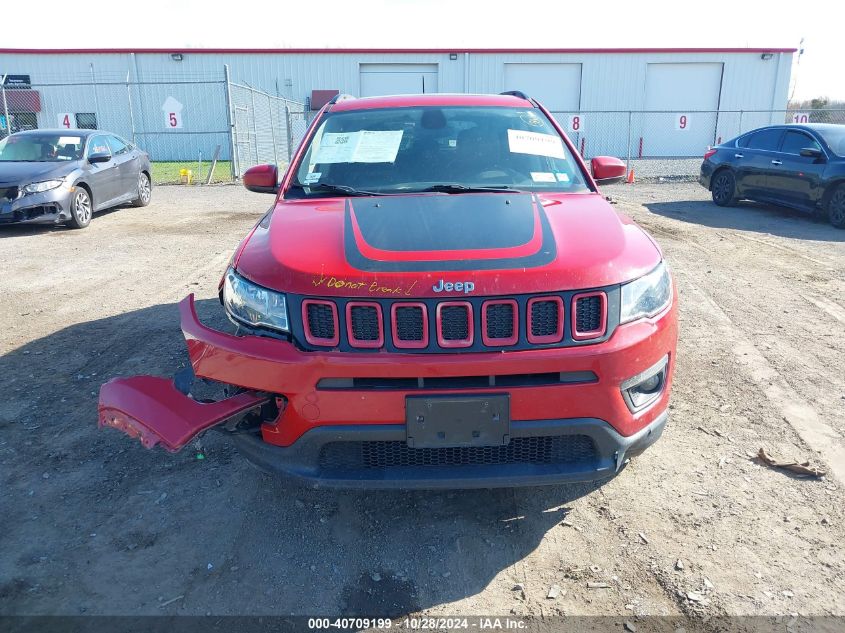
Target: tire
{"points": [[723, 188], [145, 191], [81, 208], [836, 207]]}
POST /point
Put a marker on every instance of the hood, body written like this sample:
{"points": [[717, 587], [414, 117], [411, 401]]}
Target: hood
{"points": [[23, 173], [435, 245]]}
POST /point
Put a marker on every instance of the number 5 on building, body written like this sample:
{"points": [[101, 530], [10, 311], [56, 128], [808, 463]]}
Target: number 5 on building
{"points": [[174, 120], [172, 110]]}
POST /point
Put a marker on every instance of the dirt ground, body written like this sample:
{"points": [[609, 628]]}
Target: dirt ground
{"points": [[95, 524]]}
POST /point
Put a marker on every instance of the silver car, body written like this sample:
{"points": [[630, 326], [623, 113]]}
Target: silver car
{"points": [[64, 176]]}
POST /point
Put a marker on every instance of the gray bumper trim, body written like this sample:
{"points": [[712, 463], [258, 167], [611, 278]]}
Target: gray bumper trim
{"points": [[300, 461]]}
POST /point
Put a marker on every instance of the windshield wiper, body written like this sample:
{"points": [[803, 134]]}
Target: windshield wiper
{"points": [[332, 188], [458, 188]]}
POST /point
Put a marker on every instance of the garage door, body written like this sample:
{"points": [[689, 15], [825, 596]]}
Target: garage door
{"points": [[683, 99], [397, 79], [556, 86]]}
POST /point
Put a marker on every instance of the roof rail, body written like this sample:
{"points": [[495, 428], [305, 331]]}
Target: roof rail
{"points": [[340, 96], [516, 93]]}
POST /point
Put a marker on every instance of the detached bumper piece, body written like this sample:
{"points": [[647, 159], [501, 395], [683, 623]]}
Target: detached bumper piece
{"points": [[154, 411], [378, 456]]}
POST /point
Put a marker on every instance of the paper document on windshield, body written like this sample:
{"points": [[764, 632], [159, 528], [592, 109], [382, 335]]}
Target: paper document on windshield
{"points": [[337, 148], [366, 146], [377, 147], [523, 142]]}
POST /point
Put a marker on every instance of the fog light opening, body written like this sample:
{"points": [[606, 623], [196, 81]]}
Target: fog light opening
{"points": [[646, 387], [650, 385]]}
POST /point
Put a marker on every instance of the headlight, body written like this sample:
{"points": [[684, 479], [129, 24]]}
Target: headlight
{"points": [[254, 305], [38, 187], [646, 296]]}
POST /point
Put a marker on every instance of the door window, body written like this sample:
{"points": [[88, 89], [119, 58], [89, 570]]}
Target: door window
{"points": [[795, 141], [768, 139], [118, 147], [98, 145]]}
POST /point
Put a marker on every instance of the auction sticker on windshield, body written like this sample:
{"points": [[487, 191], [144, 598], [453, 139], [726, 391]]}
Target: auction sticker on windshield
{"points": [[366, 146], [535, 143], [542, 176]]}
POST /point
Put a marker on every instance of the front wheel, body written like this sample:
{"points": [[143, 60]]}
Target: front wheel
{"points": [[145, 191], [81, 209], [836, 207], [723, 188]]}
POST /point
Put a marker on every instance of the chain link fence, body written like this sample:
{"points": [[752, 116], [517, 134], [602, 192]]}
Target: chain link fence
{"points": [[671, 144], [266, 128], [196, 129], [209, 128]]}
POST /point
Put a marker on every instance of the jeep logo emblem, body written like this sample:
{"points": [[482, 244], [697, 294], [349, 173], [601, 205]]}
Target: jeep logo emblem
{"points": [[459, 286]]}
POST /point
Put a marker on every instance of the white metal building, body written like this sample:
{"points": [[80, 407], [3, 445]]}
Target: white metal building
{"points": [[669, 102]]}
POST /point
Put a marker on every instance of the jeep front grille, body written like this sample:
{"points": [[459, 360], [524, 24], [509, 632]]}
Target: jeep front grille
{"points": [[546, 319], [589, 315], [477, 325], [364, 324], [499, 322], [409, 323], [454, 324], [320, 322]]}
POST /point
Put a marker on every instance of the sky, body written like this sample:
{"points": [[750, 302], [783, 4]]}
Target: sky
{"points": [[458, 23]]}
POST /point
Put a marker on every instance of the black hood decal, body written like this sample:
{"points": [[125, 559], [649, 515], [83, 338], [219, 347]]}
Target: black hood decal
{"points": [[447, 232]]}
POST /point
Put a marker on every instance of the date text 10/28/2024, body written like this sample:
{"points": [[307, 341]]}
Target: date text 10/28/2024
{"points": [[419, 623]]}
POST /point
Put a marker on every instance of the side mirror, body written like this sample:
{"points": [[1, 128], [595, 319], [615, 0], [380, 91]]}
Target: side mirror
{"points": [[262, 179], [607, 170], [812, 152], [99, 157]]}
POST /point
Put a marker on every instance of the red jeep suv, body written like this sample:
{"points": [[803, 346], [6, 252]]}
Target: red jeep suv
{"points": [[440, 296]]}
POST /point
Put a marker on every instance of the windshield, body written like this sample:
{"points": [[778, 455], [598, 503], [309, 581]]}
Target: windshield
{"points": [[451, 149], [41, 148], [834, 136]]}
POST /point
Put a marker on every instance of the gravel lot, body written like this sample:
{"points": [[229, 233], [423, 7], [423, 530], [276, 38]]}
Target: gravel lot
{"points": [[655, 169], [95, 524]]}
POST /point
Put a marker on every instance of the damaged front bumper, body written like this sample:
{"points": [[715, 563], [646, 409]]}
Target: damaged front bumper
{"points": [[153, 410], [286, 420], [46, 207]]}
